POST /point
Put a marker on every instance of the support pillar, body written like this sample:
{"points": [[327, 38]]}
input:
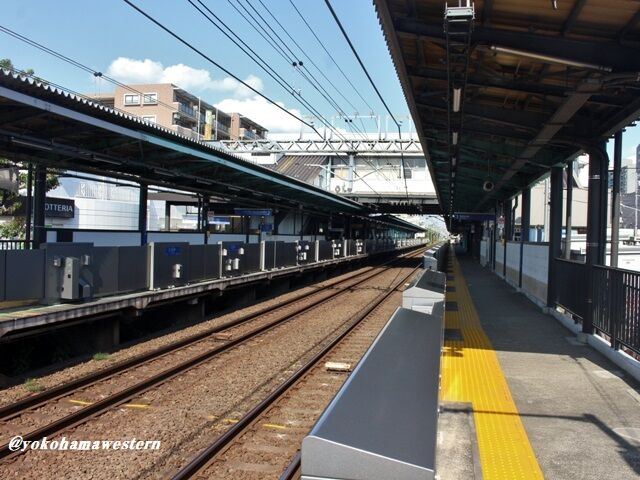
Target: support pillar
{"points": [[142, 213], [494, 237], [555, 232], [506, 211], [569, 211], [596, 227], [598, 163], [39, 196], [205, 218], [28, 207], [615, 199], [525, 224]]}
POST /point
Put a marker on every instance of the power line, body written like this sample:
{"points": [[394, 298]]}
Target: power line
{"points": [[213, 62], [77, 64], [291, 58], [259, 61], [264, 65], [366, 72], [329, 54], [353, 49], [309, 58]]}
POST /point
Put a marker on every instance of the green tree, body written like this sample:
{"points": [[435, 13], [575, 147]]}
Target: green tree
{"points": [[11, 201]]}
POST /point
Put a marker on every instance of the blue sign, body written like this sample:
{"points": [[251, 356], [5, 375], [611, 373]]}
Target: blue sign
{"points": [[253, 212], [475, 217], [173, 251], [220, 221]]}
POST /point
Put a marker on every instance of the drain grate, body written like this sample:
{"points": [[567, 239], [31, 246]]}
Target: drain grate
{"points": [[453, 334]]}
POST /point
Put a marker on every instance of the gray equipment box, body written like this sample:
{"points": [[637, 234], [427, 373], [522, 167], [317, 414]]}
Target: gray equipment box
{"points": [[62, 280], [168, 264], [305, 252], [382, 424], [425, 291]]}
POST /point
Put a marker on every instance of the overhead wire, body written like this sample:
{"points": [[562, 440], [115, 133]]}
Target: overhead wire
{"points": [[263, 27], [313, 81], [321, 43], [247, 50], [366, 72], [213, 62]]}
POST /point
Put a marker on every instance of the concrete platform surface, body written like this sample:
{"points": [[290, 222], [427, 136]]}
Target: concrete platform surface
{"points": [[581, 413]]}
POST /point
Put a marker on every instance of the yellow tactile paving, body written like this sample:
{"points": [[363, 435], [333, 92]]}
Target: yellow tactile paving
{"points": [[471, 373]]}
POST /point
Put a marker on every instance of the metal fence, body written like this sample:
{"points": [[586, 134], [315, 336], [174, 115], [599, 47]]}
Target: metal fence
{"points": [[615, 308], [15, 245]]}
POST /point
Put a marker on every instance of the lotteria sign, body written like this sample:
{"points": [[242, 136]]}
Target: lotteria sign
{"points": [[59, 207]]}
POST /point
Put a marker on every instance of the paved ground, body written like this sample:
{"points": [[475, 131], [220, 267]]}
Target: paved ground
{"points": [[580, 412]]}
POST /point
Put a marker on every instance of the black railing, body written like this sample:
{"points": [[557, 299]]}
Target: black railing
{"points": [[615, 307], [15, 245], [572, 285]]}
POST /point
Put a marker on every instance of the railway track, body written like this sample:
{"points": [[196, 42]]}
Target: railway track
{"points": [[299, 305], [265, 442]]}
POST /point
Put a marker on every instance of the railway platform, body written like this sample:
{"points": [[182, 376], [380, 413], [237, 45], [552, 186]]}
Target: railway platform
{"points": [[543, 404]]}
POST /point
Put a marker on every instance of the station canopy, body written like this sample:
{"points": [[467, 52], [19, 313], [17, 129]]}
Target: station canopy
{"points": [[502, 90], [46, 125]]}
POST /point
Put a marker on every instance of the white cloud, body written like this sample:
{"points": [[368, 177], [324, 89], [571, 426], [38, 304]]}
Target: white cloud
{"points": [[129, 70], [263, 112]]}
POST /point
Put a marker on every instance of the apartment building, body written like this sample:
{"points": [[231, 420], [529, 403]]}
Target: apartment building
{"points": [[176, 109]]}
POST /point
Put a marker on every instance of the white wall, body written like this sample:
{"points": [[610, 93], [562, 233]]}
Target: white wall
{"points": [[108, 239], [513, 262], [535, 270], [499, 257]]}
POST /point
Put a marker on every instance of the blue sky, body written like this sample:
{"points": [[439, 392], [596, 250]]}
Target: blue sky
{"points": [[99, 36]]}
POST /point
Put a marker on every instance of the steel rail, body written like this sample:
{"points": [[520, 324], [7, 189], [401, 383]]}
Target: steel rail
{"points": [[202, 460], [12, 410]]}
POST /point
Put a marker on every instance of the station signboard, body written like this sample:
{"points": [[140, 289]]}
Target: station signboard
{"points": [[253, 212], [59, 207]]}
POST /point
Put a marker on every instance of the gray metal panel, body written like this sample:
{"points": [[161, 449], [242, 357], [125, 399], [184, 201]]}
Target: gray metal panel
{"points": [[105, 267], [212, 261], [132, 269], [250, 261], [53, 274], [24, 277], [382, 423], [325, 250], [3, 268], [197, 263], [164, 257], [270, 254], [285, 254], [233, 252], [430, 280], [309, 248]]}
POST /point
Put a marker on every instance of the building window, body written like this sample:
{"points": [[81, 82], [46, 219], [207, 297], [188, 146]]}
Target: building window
{"points": [[150, 99], [149, 118], [132, 99]]}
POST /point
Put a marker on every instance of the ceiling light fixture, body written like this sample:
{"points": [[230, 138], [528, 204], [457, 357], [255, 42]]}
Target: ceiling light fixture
{"points": [[548, 59]]}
